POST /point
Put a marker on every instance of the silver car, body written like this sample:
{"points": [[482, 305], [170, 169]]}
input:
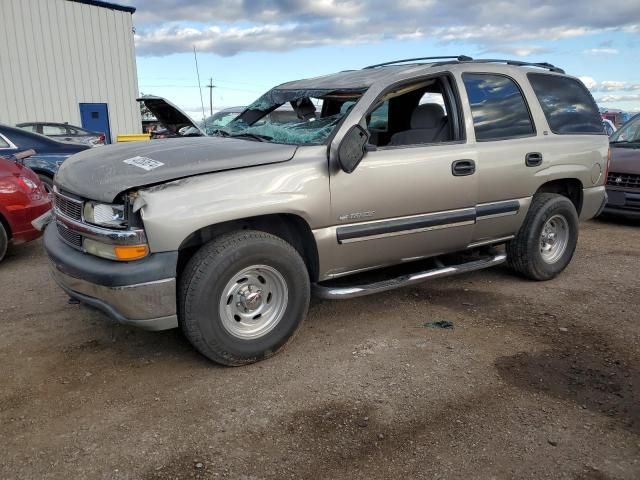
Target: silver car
{"points": [[432, 166], [64, 132]]}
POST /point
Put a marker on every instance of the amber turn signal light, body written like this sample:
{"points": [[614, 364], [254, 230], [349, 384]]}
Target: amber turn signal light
{"points": [[131, 252]]}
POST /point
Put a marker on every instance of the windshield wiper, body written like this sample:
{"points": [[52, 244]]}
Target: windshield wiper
{"points": [[624, 142], [255, 136]]}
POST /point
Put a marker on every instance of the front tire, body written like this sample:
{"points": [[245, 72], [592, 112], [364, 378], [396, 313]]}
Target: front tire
{"points": [[4, 241], [547, 239], [243, 297]]}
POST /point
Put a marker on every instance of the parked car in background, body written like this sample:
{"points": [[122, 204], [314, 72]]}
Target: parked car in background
{"points": [[623, 180], [23, 198], [608, 126], [176, 123], [49, 153], [65, 132], [221, 119]]}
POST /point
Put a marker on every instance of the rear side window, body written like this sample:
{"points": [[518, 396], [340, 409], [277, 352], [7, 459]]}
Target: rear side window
{"points": [[567, 104], [29, 128], [3, 142], [498, 107]]}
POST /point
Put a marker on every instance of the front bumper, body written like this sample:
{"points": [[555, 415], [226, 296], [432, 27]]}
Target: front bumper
{"points": [[20, 221], [140, 293], [623, 202]]}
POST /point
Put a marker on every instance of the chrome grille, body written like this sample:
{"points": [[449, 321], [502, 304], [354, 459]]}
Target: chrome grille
{"points": [[72, 238], [623, 180], [68, 207]]}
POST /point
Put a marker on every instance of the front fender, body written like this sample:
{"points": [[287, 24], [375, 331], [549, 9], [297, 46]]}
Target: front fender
{"points": [[171, 212]]}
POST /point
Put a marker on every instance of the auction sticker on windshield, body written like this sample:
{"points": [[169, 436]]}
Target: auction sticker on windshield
{"points": [[145, 163]]}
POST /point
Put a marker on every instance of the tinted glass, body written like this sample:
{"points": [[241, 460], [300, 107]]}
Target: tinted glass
{"points": [[567, 104], [498, 107]]}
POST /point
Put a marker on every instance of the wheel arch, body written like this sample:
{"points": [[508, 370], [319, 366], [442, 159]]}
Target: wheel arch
{"points": [[289, 227], [567, 187]]}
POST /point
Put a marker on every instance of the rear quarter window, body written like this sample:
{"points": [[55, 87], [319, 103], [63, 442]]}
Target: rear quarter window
{"points": [[567, 104]]}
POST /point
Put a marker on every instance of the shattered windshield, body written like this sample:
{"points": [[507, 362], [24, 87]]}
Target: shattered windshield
{"points": [[293, 117]]}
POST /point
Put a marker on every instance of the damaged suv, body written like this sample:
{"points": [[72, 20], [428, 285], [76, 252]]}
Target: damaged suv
{"points": [[396, 165]]}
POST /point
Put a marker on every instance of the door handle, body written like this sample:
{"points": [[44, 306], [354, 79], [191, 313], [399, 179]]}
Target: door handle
{"points": [[462, 168], [533, 159]]}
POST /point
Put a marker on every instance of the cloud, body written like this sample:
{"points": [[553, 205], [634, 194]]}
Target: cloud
{"points": [[227, 27], [619, 98], [615, 86], [602, 51], [589, 82]]}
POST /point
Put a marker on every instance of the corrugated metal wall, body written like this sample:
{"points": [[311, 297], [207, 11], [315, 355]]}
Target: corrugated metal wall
{"points": [[55, 54]]}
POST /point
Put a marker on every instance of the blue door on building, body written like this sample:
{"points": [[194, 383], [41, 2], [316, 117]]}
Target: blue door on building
{"points": [[95, 117]]}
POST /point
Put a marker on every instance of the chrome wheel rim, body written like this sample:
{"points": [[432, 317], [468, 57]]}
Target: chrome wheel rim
{"points": [[253, 302], [554, 239]]}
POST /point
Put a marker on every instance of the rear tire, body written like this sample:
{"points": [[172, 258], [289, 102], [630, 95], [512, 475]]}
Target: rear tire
{"points": [[243, 296], [48, 182], [546, 241], [4, 241]]}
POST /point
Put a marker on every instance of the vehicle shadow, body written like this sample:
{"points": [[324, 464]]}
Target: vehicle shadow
{"points": [[609, 219]]}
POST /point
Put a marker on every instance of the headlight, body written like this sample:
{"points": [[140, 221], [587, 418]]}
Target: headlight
{"points": [[104, 215], [29, 183]]}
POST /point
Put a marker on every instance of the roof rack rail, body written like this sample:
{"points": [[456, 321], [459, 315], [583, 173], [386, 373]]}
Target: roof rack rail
{"points": [[518, 63], [460, 58]]}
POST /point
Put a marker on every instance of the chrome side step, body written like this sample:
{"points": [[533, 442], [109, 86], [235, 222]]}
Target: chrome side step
{"points": [[334, 293]]}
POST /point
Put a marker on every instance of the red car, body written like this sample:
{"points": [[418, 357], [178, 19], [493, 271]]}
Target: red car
{"points": [[23, 198]]}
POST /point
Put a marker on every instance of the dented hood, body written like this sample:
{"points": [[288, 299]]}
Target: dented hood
{"points": [[102, 173]]}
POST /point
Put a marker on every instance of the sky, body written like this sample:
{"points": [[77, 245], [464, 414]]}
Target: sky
{"points": [[249, 46]]}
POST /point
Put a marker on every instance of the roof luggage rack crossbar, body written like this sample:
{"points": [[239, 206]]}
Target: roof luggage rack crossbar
{"points": [[518, 63], [460, 58]]}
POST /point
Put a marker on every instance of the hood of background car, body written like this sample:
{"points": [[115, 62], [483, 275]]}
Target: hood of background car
{"points": [[168, 114], [102, 173], [625, 160]]}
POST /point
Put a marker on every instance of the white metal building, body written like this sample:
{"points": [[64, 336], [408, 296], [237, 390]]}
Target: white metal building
{"points": [[69, 61]]}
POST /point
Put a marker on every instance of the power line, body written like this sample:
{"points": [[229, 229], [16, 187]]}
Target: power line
{"points": [[198, 74], [196, 86]]}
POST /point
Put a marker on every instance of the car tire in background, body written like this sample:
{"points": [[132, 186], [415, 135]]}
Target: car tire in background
{"points": [[47, 181], [243, 296], [547, 239], [4, 241]]}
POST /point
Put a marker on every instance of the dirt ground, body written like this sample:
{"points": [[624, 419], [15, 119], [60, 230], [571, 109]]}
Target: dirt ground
{"points": [[535, 380]]}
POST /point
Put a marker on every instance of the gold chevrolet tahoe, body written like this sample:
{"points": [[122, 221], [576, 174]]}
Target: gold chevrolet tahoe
{"points": [[430, 166]]}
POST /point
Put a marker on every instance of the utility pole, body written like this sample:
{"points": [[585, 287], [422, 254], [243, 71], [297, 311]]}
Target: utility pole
{"points": [[211, 86]]}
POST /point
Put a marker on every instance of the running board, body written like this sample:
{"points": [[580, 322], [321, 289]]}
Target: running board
{"points": [[334, 293]]}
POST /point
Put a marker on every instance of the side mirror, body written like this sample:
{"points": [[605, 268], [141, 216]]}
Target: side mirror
{"points": [[352, 148]]}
